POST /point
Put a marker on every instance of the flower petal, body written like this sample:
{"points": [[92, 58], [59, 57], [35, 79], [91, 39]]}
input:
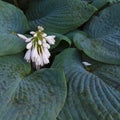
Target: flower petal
{"points": [[29, 39], [44, 35], [86, 63], [50, 39], [39, 42], [41, 59], [34, 54], [22, 36], [40, 28], [39, 62], [44, 40], [45, 58], [29, 45], [32, 32], [46, 51], [35, 35], [45, 45], [28, 55]]}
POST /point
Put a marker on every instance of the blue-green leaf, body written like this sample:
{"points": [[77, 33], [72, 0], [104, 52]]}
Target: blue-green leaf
{"points": [[12, 21], [61, 42], [59, 15], [89, 96], [103, 40], [10, 44], [29, 96], [99, 3]]}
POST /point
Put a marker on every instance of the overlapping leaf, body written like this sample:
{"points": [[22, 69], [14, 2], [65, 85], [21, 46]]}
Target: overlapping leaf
{"points": [[102, 3], [108, 73], [103, 40], [99, 3], [114, 1], [12, 20], [61, 42], [59, 15], [26, 96], [89, 96]]}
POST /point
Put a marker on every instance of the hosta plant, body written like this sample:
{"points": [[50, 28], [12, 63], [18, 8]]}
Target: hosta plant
{"points": [[59, 60]]}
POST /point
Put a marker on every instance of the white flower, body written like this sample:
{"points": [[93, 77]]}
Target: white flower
{"points": [[40, 28], [45, 58], [44, 35], [28, 55], [46, 51], [32, 32], [40, 60], [29, 45], [34, 54], [46, 45], [50, 39], [38, 47], [86, 63], [24, 37], [39, 42]]}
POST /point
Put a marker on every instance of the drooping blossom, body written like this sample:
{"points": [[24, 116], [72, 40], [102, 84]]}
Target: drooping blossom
{"points": [[38, 47]]}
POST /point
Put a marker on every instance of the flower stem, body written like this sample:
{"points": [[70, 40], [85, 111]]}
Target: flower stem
{"points": [[16, 3]]}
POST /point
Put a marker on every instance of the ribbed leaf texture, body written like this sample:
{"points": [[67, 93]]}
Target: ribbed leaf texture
{"points": [[89, 96], [59, 15], [103, 40], [29, 96], [101, 3], [114, 1], [12, 21]]}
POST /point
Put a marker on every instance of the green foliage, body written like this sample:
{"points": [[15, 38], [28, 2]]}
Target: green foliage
{"points": [[114, 1], [12, 21], [89, 96], [28, 96], [11, 43], [99, 3], [62, 42], [59, 15], [103, 40], [65, 89]]}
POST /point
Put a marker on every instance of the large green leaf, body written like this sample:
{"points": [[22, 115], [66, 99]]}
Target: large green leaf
{"points": [[103, 40], [99, 3], [102, 3], [108, 73], [89, 96], [10, 44], [59, 15], [23, 4], [114, 1], [29, 96], [12, 20]]}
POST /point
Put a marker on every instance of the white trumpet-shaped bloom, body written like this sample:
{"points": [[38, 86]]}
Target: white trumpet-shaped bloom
{"points": [[38, 47]]}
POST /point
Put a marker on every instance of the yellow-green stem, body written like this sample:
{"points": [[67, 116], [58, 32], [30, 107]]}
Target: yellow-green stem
{"points": [[16, 3]]}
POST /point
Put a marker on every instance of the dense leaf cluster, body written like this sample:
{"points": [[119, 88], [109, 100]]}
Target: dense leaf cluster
{"points": [[66, 89]]}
